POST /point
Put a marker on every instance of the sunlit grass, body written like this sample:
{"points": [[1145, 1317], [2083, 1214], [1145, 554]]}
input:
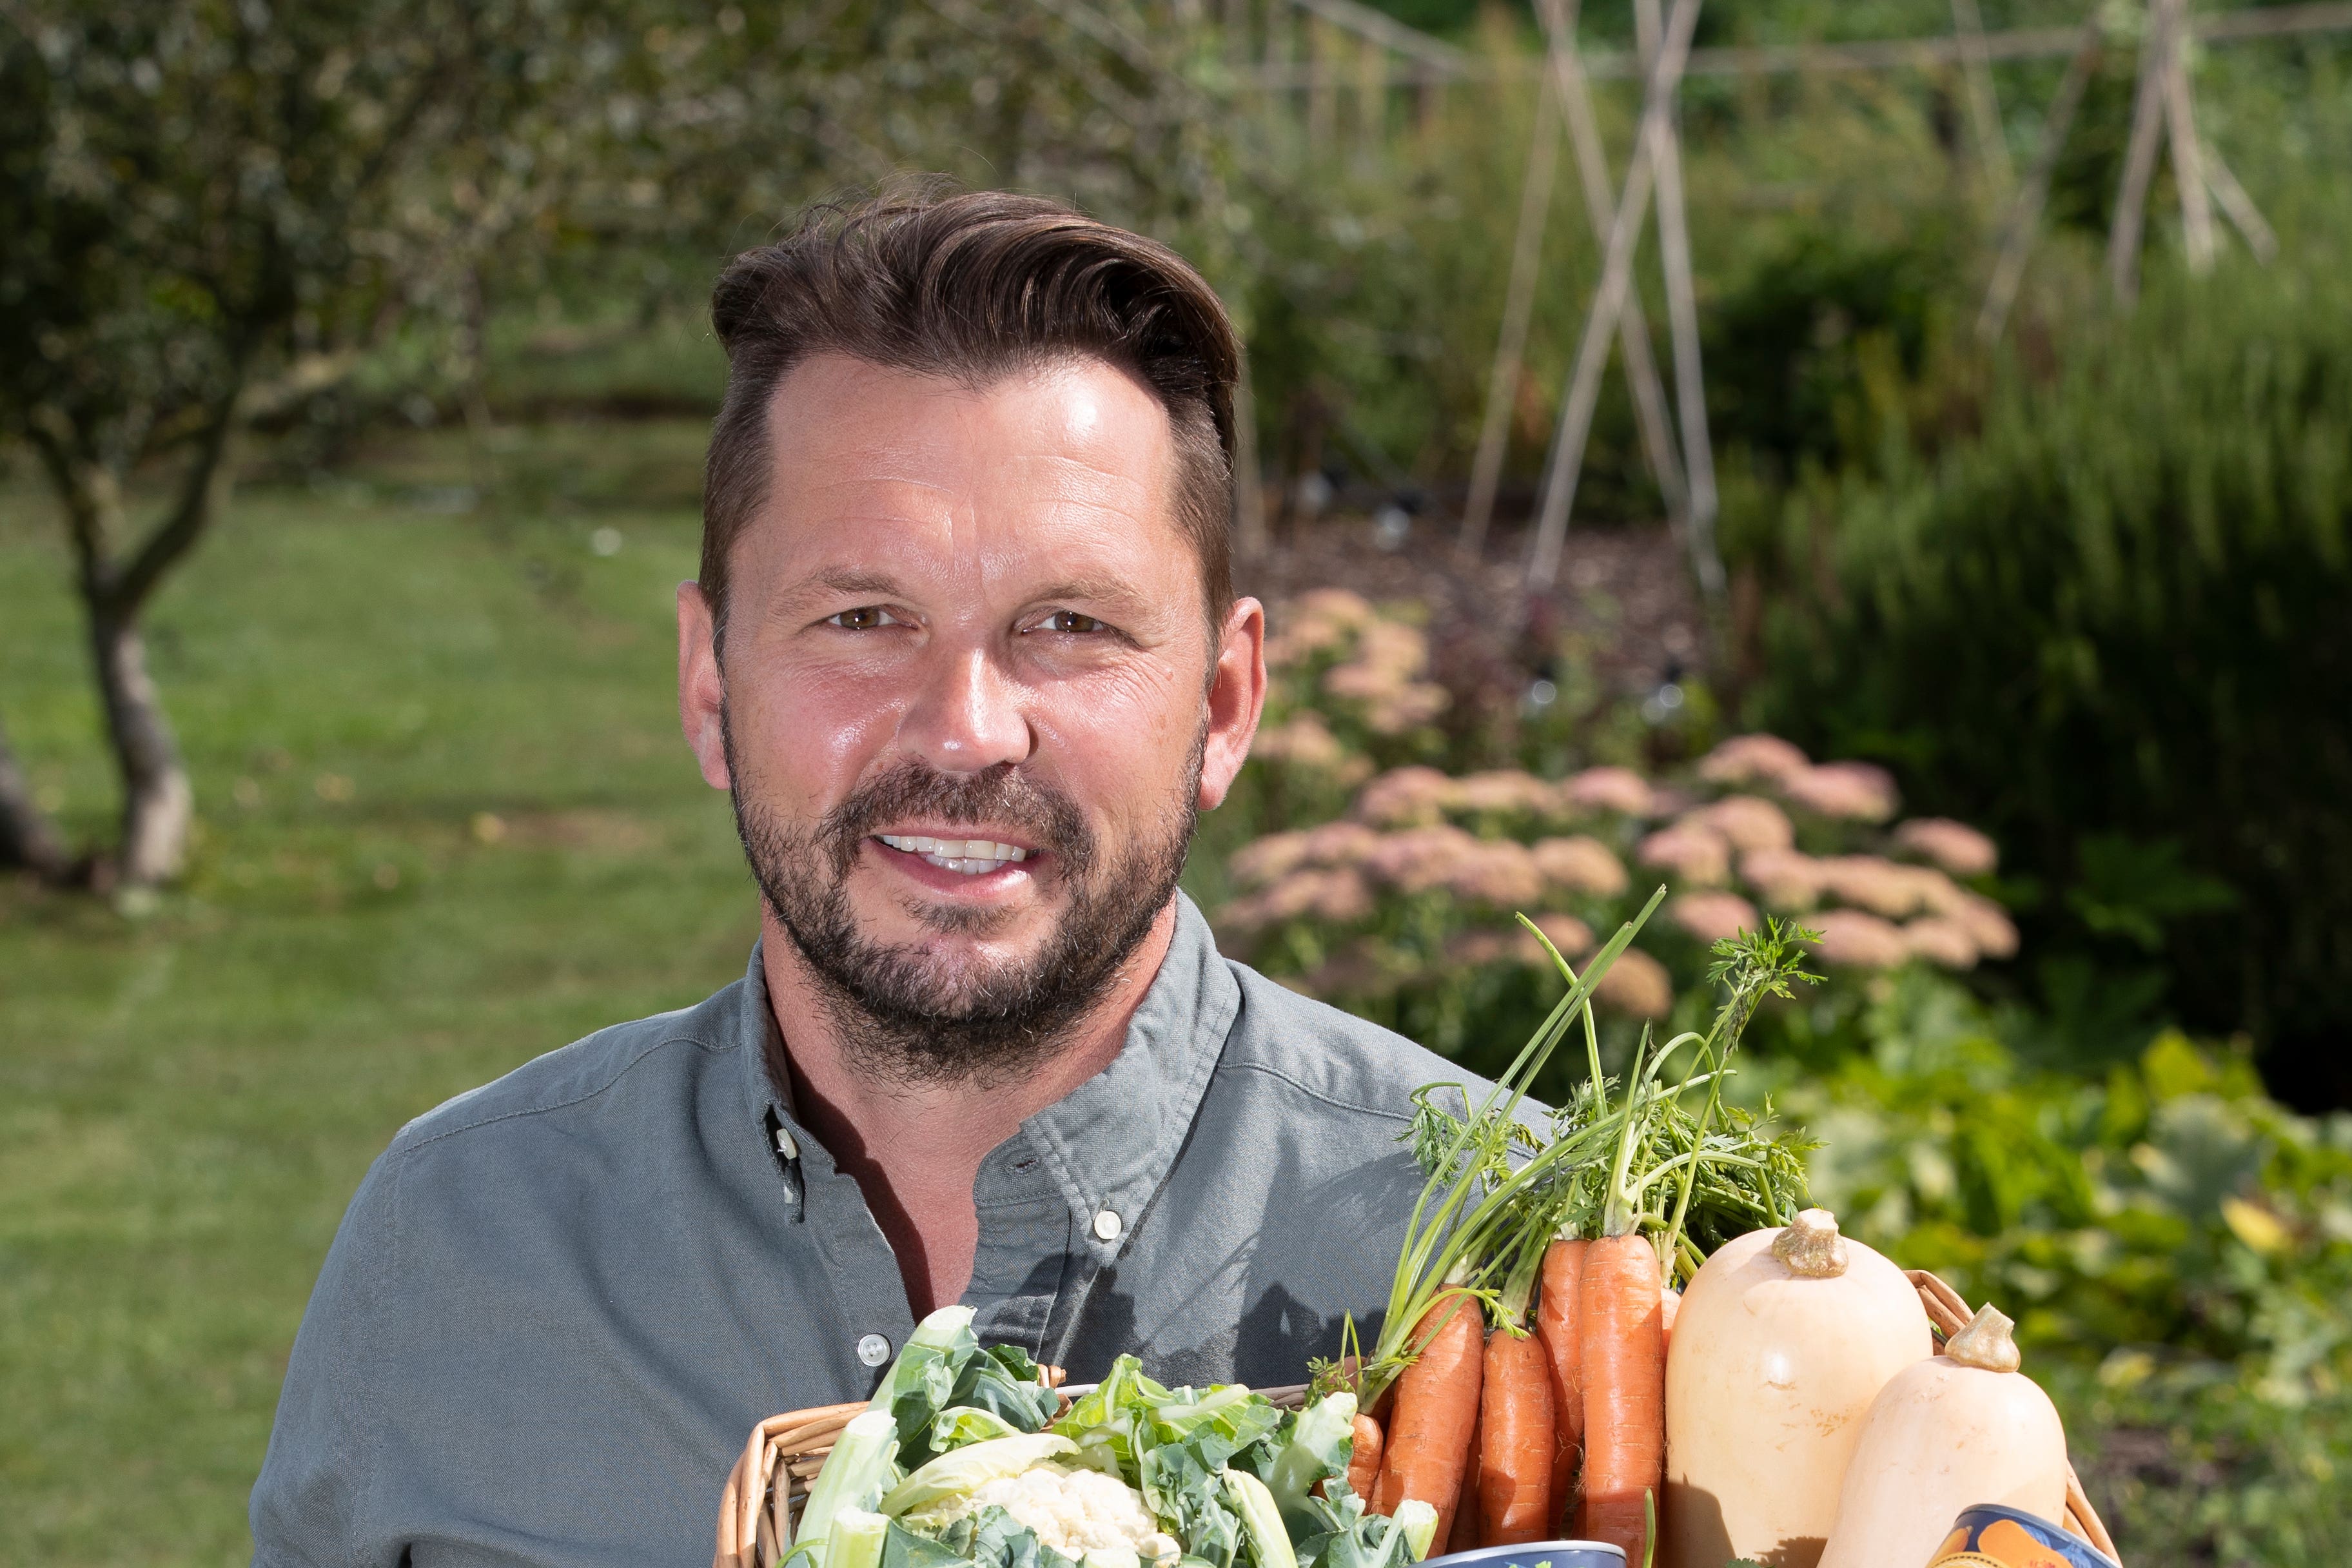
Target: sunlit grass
{"points": [[448, 825]]}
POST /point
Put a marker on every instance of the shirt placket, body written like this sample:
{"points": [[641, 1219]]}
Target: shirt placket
{"points": [[1022, 1262], [873, 1319]]}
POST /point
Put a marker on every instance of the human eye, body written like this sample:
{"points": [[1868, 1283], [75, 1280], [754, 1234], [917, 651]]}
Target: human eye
{"points": [[864, 618], [1071, 623]]}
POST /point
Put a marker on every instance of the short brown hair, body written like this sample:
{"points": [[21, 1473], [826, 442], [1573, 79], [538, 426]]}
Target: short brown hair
{"points": [[972, 287]]}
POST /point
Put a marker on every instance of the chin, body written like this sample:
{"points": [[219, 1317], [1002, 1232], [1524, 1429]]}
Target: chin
{"points": [[943, 928]]}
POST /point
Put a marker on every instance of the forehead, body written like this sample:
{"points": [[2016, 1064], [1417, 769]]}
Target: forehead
{"points": [[1065, 448]]}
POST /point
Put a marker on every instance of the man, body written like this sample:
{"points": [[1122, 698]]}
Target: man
{"points": [[966, 655]]}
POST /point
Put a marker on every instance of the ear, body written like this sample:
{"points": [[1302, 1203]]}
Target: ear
{"points": [[701, 692], [1236, 699]]}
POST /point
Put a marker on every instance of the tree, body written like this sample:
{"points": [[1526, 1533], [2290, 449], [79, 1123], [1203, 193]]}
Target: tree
{"points": [[207, 208]]}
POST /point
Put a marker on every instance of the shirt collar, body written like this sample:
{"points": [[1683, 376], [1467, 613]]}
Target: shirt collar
{"points": [[1111, 1142]]}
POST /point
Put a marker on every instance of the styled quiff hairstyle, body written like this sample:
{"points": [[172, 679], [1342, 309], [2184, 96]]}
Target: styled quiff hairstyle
{"points": [[972, 287]]}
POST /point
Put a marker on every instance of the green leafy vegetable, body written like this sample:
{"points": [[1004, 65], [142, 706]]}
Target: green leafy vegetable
{"points": [[969, 1468], [1320, 1443], [1269, 1541], [993, 1537], [944, 1367], [962, 1424], [855, 1540], [904, 1548], [861, 1468]]}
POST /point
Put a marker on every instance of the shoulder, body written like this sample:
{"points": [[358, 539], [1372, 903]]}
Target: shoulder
{"points": [[1335, 1059], [645, 1057]]}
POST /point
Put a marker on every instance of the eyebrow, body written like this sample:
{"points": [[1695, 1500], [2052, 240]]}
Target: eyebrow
{"points": [[1108, 590], [850, 580]]}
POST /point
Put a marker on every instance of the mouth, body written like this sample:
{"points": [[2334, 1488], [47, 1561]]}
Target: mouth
{"points": [[957, 856]]}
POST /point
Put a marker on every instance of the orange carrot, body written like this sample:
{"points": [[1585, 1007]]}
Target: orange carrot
{"points": [[1670, 1303], [1563, 1274], [1364, 1466], [1465, 1535], [1517, 1442], [1436, 1412], [1625, 1364]]}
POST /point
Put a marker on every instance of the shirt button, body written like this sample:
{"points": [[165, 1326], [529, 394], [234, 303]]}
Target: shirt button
{"points": [[1106, 1225], [874, 1350]]}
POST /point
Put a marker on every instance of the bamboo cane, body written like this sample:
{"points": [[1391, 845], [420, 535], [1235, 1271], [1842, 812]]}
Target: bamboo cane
{"points": [[2025, 211], [1682, 320], [1593, 351], [2180, 135], [2139, 158]]}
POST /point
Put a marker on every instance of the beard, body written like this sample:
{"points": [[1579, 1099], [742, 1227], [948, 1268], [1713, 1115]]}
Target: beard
{"points": [[905, 1014]]}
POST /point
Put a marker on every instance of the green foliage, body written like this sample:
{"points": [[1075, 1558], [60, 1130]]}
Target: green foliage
{"points": [[2109, 628], [2177, 1250]]}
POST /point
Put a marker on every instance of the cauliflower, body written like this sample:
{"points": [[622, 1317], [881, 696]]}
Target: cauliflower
{"points": [[1073, 1511]]}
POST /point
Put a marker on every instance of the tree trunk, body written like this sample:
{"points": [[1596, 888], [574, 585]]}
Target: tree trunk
{"points": [[158, 804], [27, 839]]}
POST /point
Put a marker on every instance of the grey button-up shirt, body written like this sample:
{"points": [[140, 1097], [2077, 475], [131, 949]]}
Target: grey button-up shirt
{"points": [[558, 1303]]}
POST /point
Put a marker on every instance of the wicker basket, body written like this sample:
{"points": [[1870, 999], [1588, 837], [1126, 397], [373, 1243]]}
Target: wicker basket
{"points": [[772, 1479]]}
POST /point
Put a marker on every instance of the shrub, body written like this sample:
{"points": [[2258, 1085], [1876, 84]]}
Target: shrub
{"points": [[2111, 630]]}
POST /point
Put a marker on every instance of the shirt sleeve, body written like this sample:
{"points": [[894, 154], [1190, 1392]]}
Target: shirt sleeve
{"points": [[309, 1506]]}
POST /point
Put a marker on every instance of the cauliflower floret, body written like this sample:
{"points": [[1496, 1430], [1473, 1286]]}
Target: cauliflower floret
{"points": [[1074, 1511]]}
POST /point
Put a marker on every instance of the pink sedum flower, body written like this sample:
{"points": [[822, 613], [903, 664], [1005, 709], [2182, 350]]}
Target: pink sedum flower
{"points": [[1507, 791], [1261, 860], [1788, 878], [1749, 822], [1620, 790], [1407, 707], [1407, 797], [1698, 855], [1988, 925], [1888, 886], [1421, 859], [1342, 843], [1955, 845], [1580, 865], [1496, 871], [1853, 791], [1752, 759], [1711, 916], [1637, 985], [1942, 942], [1859, 941]]}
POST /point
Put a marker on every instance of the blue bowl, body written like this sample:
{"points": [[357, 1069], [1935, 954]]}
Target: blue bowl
{"points": [[1991, 1536], [1536, 1555]]}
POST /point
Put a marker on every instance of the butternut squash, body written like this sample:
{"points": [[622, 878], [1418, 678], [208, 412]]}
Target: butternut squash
{"points": [[1961, 1428], [1783, 1340]]}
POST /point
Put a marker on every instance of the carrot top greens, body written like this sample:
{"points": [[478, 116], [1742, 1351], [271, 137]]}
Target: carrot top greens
{"points": [[1658, 1150]]}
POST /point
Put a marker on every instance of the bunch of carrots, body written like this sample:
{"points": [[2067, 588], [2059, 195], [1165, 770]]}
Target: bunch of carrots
{"points": [[1518, 1385]]}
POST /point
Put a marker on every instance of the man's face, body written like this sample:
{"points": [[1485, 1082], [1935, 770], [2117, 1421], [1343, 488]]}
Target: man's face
{"points": [[969, 702]]}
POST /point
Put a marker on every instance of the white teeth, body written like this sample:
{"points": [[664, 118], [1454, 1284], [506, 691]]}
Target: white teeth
{"points": [[965, 857]]}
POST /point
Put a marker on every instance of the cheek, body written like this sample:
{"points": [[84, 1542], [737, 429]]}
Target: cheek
{"points": [[808, 736], [1122, 739]]}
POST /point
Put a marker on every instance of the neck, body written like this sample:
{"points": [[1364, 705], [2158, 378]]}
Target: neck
{"points": [[915, 1148]]}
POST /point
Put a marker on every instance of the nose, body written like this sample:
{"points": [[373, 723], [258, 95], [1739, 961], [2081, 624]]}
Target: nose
{"points": [[969, 716]]}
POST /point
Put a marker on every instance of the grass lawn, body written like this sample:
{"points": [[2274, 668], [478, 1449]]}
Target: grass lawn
{"points": [[447, 824]]}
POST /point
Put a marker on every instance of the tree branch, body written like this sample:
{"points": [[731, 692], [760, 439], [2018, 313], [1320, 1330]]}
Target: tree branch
{"points": [[200, 494]]}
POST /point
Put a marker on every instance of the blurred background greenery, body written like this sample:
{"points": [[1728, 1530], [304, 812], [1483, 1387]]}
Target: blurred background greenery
{"points": [[352, 390]]}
